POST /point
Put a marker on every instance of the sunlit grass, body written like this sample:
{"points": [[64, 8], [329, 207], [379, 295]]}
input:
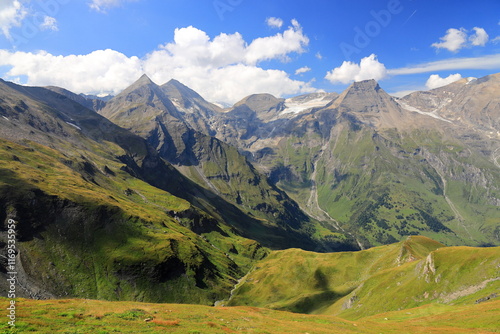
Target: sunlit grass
{"points": [[90, 316]]}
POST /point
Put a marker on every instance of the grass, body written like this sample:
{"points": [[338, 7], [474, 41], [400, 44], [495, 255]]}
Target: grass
{"points": [[411, 273], [91, 316], [123, 242], [385, 185]]}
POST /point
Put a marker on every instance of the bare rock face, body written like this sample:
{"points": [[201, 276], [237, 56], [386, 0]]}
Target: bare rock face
{"points": [[473, 103]]}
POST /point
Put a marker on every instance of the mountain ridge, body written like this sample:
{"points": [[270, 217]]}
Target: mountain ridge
{"points": [[178, 200], [260, 130]]}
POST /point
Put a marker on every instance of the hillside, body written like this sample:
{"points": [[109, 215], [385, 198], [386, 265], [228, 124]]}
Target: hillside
{"points": [[415, 286], [89, 223], [88, 316], [170, 198], [405, 275]]}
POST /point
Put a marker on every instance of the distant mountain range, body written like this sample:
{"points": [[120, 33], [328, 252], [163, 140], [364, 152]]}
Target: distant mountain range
{"points": [[362, 163], [159, 195]]}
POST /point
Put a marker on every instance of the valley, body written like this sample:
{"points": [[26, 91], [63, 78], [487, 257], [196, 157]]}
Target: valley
{"points": [[310, 212]]}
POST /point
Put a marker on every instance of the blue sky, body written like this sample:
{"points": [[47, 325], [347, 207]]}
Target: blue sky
{"points": [[227, 49]]}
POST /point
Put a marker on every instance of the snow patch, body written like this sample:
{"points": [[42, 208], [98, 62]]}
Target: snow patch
{"points": [[295, 107], [74, 125], [470, 79], [5, 117], [431, 114]]}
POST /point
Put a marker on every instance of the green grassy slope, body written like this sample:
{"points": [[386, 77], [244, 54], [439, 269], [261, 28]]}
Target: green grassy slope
{"points": [[411, 273], [86, 228], [88, 316], [385, 185]]}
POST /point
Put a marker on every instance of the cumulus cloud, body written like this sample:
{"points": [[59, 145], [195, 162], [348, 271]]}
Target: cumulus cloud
{"points": [[49, 23], [454, 40], [102, 5], [274, 22], [12, 12], [280, 45], [103, 71], [302, 70], [368, 68], [479, 38], [435, 81], [192, 58]]}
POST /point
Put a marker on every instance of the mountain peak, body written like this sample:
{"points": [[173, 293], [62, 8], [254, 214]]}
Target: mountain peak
{"points": [[361, 94], [259, 101], [176, 89], [140, 84], [174, 82], [143, 80], [371, 104], [186, 99], [365, 85], [265, 106]]}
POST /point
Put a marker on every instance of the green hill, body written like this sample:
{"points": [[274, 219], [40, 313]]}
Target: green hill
{"points": [[411, 273]]}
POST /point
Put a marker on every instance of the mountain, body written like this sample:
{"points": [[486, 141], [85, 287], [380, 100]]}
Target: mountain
{"points": [[89, 101], [269, 215], [419, 164], [95, 211], [301, 103], [472, 102], [412, 273], [169, 198], [415, 286], [196, 111], [380, 168]]}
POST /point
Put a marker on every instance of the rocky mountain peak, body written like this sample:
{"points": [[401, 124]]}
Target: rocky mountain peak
{"points": [[144, 80], [259, 101], [363, 96], [142, 99], [175, 90], [264, 105], [144, 86], [365, 85]]}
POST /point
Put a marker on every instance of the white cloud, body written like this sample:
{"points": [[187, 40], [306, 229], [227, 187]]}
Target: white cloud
{"points": [[97, 72], [480, 37], [192, 57], [192, 46], [368, 68], [277, 46], [274, 22], [49, 23], [302, 70], [319, 55], [491, 62], [12, 12], [454, 40], [237, 81], [102, 5], [435, 81], [496, 40]]}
